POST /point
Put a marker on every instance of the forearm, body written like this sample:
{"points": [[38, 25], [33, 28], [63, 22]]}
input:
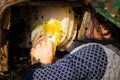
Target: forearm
{"points": [[62, 69], [75, 66]]}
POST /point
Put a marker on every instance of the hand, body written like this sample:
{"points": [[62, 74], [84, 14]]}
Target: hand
{"points": [[42, 52]]}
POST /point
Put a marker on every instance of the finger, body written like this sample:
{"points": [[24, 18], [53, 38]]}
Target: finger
{"points": [[51, 50], [38, 46], [36, 37], [32, 51], [32, 54], [43, 43], [40, 39]]}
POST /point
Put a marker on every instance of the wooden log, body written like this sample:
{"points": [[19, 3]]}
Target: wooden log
{"points": [[53, 3], [4, 58]]}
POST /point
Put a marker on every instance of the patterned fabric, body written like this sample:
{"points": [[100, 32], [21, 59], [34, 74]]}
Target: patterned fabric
{"points": [[113, 65], [110, 9], [87, 63]]}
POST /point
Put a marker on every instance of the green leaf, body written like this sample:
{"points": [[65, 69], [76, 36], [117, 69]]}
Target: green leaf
{"points": [[116, 4], [108, 16]]}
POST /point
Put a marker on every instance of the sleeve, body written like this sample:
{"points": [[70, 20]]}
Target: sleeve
{"points": [[87, 63]]}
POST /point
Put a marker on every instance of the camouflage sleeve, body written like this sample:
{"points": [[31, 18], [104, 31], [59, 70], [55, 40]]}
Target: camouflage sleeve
{"points": [[110, 9]]}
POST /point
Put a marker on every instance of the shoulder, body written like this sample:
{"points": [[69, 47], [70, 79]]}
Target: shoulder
{"points": [[93, 57], [89, 47], [90, 52]]}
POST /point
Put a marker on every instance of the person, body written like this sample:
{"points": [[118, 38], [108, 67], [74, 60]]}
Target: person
{"points": [[97, 59]]}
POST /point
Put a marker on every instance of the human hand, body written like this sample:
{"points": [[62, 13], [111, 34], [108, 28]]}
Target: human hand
{"points": [[42, 51]]}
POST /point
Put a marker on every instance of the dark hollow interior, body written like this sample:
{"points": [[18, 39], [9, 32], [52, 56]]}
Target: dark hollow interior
{"points": [[19, 38]]}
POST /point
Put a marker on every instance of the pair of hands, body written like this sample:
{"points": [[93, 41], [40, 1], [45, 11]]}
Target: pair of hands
{"points": [[42, 51]]}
